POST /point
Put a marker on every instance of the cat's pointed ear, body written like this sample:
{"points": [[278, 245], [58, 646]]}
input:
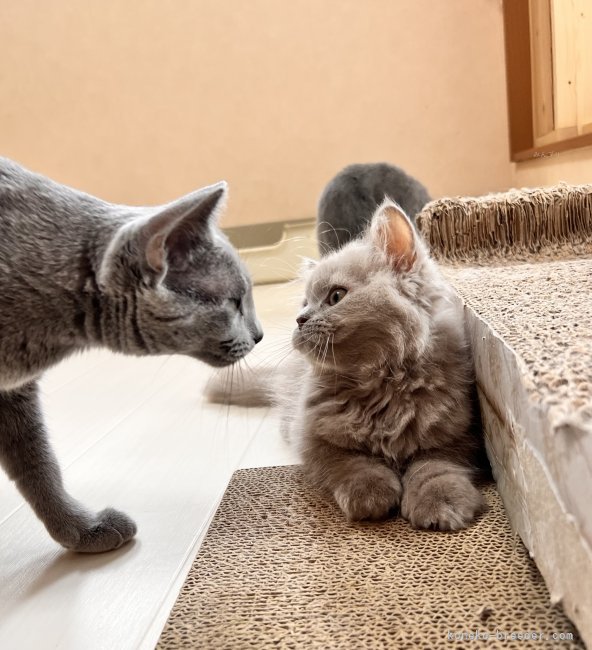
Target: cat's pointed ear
{"points": [[392, 232], [168, 235]]}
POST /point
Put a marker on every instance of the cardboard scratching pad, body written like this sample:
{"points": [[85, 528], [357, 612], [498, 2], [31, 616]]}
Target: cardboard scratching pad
{"points": [[280, 567], [521, 263]]}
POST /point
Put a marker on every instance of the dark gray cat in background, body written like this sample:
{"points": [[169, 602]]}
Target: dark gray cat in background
{"points": [[77, 272], [350, 199]]}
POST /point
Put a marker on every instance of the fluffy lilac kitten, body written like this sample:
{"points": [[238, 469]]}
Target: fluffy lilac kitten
{"points": [[380, 395], [378, 392]]}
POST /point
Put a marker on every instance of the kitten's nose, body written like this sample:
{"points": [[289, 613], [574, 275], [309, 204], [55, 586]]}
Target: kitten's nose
{"points": [[258, 336], [301, 320]]}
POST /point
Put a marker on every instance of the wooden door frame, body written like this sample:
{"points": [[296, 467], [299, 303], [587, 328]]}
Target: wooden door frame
{"points": [[519, 87]]}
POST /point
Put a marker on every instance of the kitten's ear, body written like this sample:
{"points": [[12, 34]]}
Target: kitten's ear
{"points": [[168, 236], [393, 233]]}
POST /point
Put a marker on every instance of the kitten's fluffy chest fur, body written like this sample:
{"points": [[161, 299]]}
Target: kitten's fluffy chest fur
{"points": [[383, 412]]}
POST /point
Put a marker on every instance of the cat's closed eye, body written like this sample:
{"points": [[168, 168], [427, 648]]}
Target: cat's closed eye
{"points": [[336, 295], [238, 304]]}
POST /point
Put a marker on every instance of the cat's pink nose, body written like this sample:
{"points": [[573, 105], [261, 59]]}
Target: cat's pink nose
{"points": [[301, 320]]}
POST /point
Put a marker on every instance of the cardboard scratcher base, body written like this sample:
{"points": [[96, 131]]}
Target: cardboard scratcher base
{"points": [[281, 568]]}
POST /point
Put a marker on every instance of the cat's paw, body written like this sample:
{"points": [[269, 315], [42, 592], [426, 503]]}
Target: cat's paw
{"points": [[105, 531], [446, 502], [371, 494]]}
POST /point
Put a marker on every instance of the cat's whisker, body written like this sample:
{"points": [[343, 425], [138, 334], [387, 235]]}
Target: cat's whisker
{"points": [[273, 363], [332, 228], [314, 350], [325, 353], [274, 341], [280, 353], [281, 264], [246, 369], [281, 360], [286, 347], [231, 370], [278, 325], [334, 360], [320, 355], [325, 247], [268, 349]]}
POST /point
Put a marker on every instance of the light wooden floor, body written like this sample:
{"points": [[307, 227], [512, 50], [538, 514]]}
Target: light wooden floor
{"points": [[137, 435]]}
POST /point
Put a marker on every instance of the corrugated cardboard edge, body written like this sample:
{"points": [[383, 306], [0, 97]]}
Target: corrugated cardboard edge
{"points": [[515, 223], [525, 482]]}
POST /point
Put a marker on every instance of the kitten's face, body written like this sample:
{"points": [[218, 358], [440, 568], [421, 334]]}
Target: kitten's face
{"points": [[364, 308], [191, 293]]}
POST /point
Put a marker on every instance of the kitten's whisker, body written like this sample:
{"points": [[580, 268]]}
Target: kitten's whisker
{"points": [[315, 349], [271, 357], [334, 361], [325, 352], [272, 354], [274, 368], [281, 264], [270, 347], [326, 248], [280, 327]]}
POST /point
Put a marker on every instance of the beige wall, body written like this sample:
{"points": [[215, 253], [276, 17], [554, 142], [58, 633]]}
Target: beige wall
{"points": [[142, 100], [570, 166]]}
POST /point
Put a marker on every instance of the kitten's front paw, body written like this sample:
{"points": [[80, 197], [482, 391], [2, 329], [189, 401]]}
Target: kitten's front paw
{"points": [[371, 494], [446, 502], [105, 531]]}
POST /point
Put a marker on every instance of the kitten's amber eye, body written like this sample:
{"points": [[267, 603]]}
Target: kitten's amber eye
{"points": [[336, 295]]}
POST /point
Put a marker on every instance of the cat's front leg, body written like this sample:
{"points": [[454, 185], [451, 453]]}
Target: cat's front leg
{"points": [[27, 457], [439, 493], [363, 486]]}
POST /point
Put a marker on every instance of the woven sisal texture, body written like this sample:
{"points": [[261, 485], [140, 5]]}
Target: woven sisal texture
{"points": [[281, 568], [544, 313], [546, 221]]}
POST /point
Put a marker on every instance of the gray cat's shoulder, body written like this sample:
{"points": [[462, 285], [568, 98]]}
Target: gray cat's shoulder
{"points": [[24, 190]]}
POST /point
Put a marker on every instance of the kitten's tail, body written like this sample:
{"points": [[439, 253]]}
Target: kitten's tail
{"points": [[251, 388]]}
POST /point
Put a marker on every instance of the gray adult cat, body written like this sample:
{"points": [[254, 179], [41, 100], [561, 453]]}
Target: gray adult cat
{"points": [[77, 272], [350, 199], [378, 393]]}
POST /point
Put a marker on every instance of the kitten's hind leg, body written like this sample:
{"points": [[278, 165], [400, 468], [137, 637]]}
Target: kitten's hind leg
{"points": [[27, 457], [363, 486], [439, 493]]}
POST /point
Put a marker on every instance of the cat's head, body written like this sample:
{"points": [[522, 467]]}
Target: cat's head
{"points": [[368, 305], [179, 284]]}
